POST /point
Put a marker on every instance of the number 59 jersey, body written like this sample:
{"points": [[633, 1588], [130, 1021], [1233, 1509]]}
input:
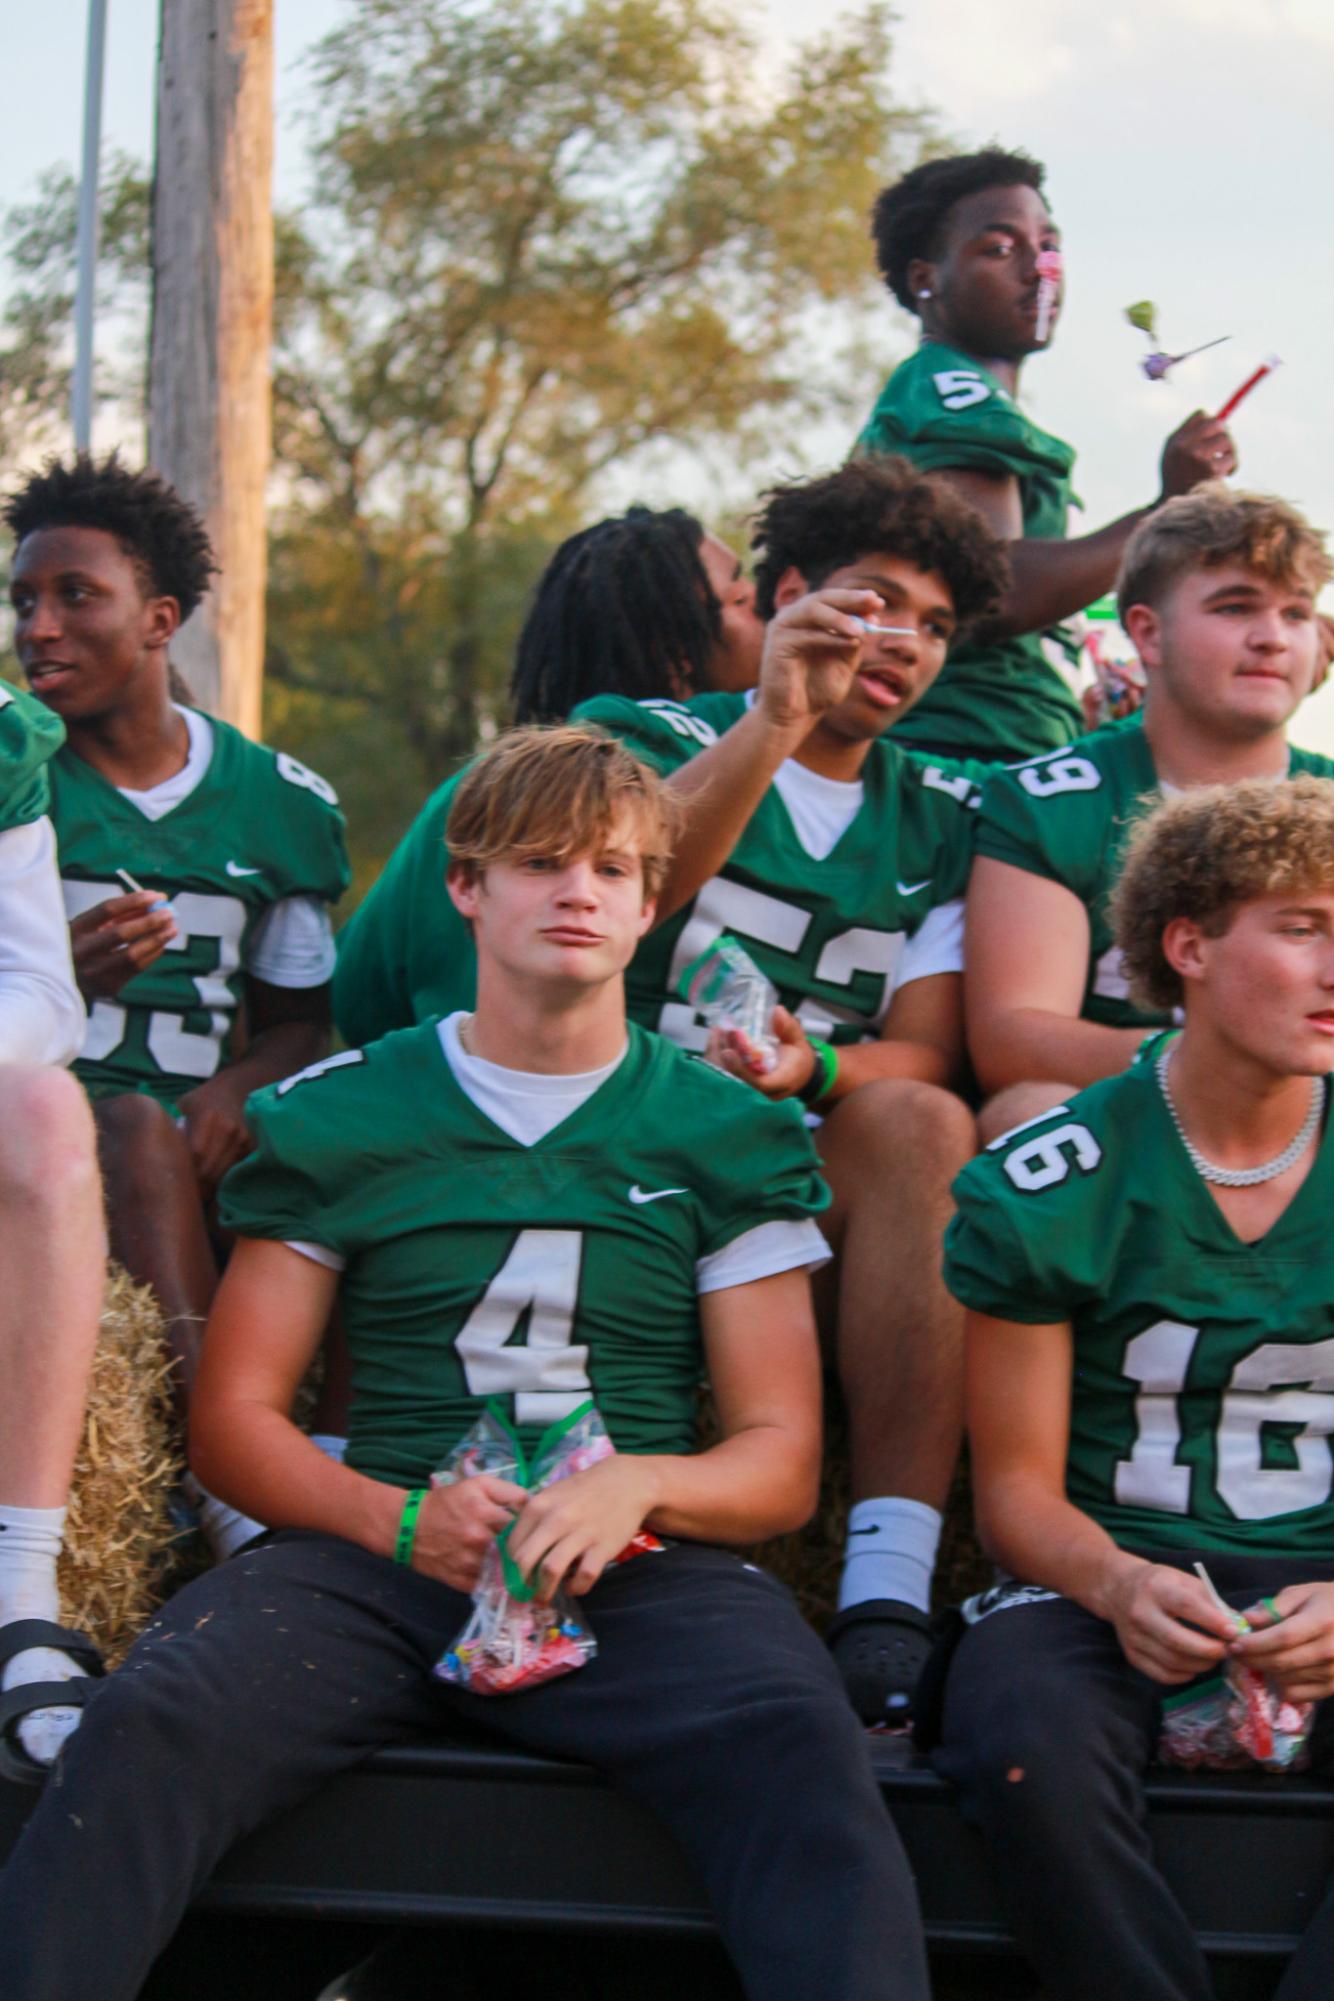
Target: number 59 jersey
{"points": [[833, 934], [477, 1267], [1202, 1403], [258, 827]]}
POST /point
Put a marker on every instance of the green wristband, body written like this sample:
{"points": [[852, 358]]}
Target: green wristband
{"points": [[407, 1527], [821, 1080]]}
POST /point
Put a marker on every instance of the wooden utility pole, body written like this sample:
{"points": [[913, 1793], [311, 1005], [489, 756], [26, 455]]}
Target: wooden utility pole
{"points": [[209, 418]]}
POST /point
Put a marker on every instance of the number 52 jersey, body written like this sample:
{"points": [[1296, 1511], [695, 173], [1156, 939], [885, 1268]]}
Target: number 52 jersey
{"points": [[1202, 1403], [257, 828]]}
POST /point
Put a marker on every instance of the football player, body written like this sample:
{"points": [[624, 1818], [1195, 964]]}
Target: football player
{"points": [[958, 242], [838, 862], [644, 603], [1218, 592], [535, 1203], [52, 1253], [198, 867], [1151, 1385]]}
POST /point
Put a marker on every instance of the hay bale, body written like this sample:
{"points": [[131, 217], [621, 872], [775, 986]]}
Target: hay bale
{"points": [[113, 1569]]}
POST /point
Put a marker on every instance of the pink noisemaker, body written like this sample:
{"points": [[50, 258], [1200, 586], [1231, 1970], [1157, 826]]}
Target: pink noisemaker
{"points": [[1253, 381], [1050, 265]]}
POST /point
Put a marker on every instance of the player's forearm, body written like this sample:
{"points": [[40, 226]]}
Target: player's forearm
{"points": [[1040, 1538], [760, 1482], [865, 1062], [719, 791], [1028, 1045], [280, 1052], [1052, 580], [255, 1459]]}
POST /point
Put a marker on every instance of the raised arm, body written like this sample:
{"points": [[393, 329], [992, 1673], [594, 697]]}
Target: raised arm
{"points": [[1026, 950], [1051, 580], [1019, 1381], [811, 652]]}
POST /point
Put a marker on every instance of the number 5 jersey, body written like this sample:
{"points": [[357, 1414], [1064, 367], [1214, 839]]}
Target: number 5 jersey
{"points": [[1202, 1396], [246, 845]]}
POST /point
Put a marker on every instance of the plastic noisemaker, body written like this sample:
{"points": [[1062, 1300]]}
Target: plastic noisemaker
{"points": [[1049, 268], [1253, 381]]}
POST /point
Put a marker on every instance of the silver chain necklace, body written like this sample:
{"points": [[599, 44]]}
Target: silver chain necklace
{"points": [[1244, 1177]]}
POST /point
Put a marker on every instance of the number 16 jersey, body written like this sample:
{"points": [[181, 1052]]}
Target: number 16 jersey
{"points": [[1202, 1401]]}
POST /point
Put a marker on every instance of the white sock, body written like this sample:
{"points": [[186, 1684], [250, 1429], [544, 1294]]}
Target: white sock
{"points": [[29, 1546], [890, 1552]]}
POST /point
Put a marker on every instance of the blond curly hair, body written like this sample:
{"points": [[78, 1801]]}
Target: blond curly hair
{"points": [[1203, 854]]}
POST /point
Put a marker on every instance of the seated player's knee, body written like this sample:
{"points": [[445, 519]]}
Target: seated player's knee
{"points": [[1018, 1103], [900, 1120], [138, 1138], [47, 1154]]}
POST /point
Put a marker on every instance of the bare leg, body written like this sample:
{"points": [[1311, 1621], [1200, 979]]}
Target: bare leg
{"points": [[891, 1151], [1018, 1103], [53, 1256], [156, 1216]]}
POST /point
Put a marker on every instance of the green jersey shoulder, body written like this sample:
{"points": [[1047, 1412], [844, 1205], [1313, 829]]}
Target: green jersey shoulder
{"points": [[477, 1267], [1068, 817], [405, 952], [836, 934], [998, 699], [30, 736], [1202, 1403], [258, 827]]}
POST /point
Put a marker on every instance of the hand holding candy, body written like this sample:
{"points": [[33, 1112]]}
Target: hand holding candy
{"points": [[1050, 265], [1197, 450], [459, 1523], [1291, 1638], [780, 1069]]}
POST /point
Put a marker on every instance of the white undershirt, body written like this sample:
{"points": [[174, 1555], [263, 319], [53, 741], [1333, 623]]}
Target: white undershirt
{"points": [[41, 1014], [292, 945], [821, 809], [528, 1106]]}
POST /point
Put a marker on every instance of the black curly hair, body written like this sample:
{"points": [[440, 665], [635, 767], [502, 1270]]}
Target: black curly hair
{"points": [[908, 219], [158, 530], [623, 608], [879, 506]]}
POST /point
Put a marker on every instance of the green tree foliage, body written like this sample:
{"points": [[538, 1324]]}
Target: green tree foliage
{"points": [[545, 243]]}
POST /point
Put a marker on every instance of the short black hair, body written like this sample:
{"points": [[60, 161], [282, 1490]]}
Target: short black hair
{"points": [[156, 527], [908, 219], [878, 506], [623, 608]]}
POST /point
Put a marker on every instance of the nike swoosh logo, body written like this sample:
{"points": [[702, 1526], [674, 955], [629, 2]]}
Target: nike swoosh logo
{"points": [[235, 868], [639, 1195], [873, 1530], [911, 888]]}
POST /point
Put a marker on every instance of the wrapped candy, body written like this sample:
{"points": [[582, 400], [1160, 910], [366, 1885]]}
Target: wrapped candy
{"points": [[1253, 381], [1157, 365], [1049, 268], [726, 986], [511, 1640], [1236, 1719]]}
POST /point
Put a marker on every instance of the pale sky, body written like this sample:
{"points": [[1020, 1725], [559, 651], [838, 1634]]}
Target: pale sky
{"points": [[1189, 151]]}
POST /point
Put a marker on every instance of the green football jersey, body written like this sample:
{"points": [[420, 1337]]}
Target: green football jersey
{"points": [[1202, 1403], [1007, 698], [257, 827], [477, 1267], [828, 933], [1068, 817], [30, 736], [405, 953]]}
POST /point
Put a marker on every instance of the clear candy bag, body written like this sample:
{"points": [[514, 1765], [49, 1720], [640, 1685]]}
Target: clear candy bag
{"points": [[1236, 1720], [511, 1641], [726, 986]]}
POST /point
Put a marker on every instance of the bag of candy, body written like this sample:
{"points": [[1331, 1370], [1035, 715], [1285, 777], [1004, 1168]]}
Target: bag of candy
{"points": [[512, 1641], [1236, 1719], [726, 986]]}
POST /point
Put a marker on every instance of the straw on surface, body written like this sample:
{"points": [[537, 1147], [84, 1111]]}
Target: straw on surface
{"points": [[113, 1569]]}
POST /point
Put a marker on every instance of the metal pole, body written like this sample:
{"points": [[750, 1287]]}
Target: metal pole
{"points": [[85, 290]]}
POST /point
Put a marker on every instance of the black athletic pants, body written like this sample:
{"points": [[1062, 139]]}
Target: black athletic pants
{"points": [[1048, 1731], [709, 1699]]}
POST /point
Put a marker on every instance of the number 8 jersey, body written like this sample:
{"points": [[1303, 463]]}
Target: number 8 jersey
{"points": [[1202, 1400], [837, 934], [256, 828]]}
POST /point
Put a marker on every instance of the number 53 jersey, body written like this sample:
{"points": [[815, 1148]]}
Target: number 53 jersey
{"points": [[1202, 1399], [475, 1266], [257, 828]]}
